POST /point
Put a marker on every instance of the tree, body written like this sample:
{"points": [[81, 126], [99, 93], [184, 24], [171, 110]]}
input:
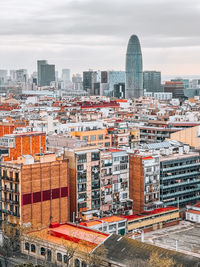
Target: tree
{"points": [[157, 261], [70, 250]]}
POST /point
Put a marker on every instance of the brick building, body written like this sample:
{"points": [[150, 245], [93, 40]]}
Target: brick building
{"points": [[35, 190], [144, 184], [28, 143]]}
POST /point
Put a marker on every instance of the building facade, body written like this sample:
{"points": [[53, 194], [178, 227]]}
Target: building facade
{"points": [[152, 81]]}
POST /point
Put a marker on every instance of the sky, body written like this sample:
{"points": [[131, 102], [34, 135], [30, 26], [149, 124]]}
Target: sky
{"points": [[93, 34]]}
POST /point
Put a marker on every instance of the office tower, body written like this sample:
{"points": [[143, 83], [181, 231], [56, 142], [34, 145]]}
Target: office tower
{"points": [[134, 76], [89, 78], [152, 81], [77, 82], [3, 76], [119, 90], [66, 75], [21, 76], [176, 88], [112, 78], [46, 73]]}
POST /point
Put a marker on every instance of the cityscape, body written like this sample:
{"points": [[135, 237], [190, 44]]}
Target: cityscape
{"points": [[99, 167]]}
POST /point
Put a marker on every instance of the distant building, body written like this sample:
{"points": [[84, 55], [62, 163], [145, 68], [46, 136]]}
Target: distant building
{"points": [[152, 81], [3, 77], [66, 75], [134, 76], [112, 78], [119, 90], [176, 88], [46, 73], [89, 78]]}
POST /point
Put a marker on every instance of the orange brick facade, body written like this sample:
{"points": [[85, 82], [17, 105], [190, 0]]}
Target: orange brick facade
{"points": [[136, 183], [26, 144], [42, 194]]}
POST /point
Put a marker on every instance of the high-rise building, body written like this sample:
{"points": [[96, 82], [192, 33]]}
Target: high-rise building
{"points": [[3, 76], [152, 81], [89, 78], [46, 73], [66, 75], [134, 76]]}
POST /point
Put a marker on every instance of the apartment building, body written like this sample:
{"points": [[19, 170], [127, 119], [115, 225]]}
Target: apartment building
{"points": [[27, 143], [115, 181], [10, 126], [84, 172], [98, 137], [179, 176], [144, 181], [35, 190]]}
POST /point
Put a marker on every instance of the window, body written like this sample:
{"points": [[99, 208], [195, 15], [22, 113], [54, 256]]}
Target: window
{"points": [[100, 137], [82, 158], [65, 259], [77, 263], [42, 251], [33, 248], [122, 224], [93, 138], [27, 246], [85, 138], [59, 256], [83, 264]]}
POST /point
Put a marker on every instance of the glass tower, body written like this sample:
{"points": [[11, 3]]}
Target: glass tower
{"points": [[134, 75]]}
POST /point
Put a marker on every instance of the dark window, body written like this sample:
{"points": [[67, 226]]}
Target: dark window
{"points": [[26, 199], [36, 197], [77, 263], [83, 264], [27, 246], [46, 195], [55, 193], [33, 249], [65, 259], [59, 257], [64, 192], [42, 251]]}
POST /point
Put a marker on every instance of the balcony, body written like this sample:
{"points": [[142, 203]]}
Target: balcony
{"points": [[163, 187], [180, 193], [182, 175], [181, 167]]}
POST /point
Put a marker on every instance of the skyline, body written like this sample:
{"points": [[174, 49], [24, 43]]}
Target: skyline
{"points": [[83, 34]]}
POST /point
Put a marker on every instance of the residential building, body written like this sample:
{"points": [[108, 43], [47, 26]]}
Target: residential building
{"points": [[35, 190], [98, 137], [144, 181], [115, 181], [179, 176], [84, 172], [28, 143], [134, 76]]}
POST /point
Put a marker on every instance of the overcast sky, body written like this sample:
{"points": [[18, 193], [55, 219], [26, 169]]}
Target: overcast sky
{"points": [[83, 34]]}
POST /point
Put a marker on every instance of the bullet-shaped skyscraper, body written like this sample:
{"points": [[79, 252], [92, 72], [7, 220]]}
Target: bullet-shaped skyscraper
{"points": [[134, 75]]}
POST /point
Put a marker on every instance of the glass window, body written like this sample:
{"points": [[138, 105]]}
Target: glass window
{"points": [[33, 248], [77, 263], [100, 137], [93, 138], [65, 259], [59, 256], [83, 264], [27, 246], [42, 251]]}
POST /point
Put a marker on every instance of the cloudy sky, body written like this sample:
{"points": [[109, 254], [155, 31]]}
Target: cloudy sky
{"points": [[83, 34]]}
